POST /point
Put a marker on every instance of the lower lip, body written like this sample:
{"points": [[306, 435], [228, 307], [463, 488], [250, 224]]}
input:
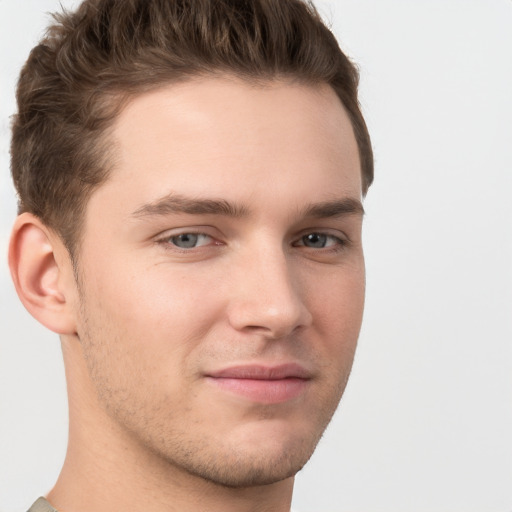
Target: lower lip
{"points": [[263, 391]]}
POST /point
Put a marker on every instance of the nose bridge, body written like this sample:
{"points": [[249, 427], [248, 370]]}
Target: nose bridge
{"points": [[268, 296]]}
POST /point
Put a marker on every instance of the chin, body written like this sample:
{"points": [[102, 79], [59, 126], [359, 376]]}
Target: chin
{"points": [[253, 463], [242, 473]]}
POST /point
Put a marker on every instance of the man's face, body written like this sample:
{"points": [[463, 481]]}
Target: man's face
{"points": [[222, 276]]}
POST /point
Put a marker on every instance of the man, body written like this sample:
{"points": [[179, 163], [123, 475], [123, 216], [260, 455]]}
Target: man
{"points": [[190, 177]]}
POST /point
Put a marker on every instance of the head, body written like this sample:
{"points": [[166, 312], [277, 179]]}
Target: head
{"points": [[194, 173]]}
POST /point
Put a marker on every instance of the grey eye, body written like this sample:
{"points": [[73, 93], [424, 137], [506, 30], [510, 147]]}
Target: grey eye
{"points": [[189, 240], [315, 240]]}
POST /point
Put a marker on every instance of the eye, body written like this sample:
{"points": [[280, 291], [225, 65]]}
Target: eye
{"points": [[319, 241], [189, 240]]}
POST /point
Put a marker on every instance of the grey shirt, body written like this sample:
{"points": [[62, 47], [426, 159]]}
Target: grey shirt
{"points": [[41, 505]]}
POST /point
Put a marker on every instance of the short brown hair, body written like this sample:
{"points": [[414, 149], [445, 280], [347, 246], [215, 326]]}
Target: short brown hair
{"points": [[95, 58]]}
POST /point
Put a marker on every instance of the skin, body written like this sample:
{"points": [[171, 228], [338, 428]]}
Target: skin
{"points": [[173, 287]]}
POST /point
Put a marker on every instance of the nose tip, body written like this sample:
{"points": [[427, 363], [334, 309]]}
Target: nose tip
{"points": [[269, 302], [269, 320]]}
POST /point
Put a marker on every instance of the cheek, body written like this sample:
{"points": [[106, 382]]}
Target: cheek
{"points": [[137, 334], [152, 307], [338, 315], [338, 302]]}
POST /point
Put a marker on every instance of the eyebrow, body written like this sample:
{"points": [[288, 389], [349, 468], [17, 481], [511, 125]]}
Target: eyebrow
{"points": [[175, 204], [334, 208]]}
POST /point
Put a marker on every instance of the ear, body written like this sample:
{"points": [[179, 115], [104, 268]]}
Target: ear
{"points": [[42, 272]]}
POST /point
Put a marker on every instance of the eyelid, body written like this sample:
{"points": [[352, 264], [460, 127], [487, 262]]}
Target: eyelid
{"points": [[183, 230]]}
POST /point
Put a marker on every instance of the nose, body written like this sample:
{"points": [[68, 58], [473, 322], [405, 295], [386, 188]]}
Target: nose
{"points": [[268, 296]]}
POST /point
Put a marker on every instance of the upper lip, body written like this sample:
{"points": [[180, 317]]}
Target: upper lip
{"points": [[262, 372]]}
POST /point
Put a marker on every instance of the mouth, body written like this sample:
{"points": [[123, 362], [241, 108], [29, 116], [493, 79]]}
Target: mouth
{"points": [[262, 384]]}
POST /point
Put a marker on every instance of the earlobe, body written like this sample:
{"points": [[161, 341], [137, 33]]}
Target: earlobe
{"points": [[42, 273]]}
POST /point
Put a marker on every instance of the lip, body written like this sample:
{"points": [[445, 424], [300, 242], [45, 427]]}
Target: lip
{"points": [[261, 383]]}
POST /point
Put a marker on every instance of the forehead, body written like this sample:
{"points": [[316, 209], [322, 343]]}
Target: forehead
{"points": [[228, 137]]}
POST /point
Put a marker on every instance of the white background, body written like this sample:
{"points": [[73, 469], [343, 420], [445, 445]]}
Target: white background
{"points": [[426, 422]]}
